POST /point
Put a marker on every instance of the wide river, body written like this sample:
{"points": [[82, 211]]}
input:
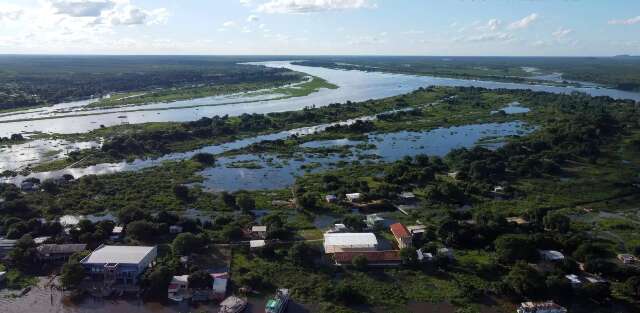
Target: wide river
{"points": [[354, 86]]}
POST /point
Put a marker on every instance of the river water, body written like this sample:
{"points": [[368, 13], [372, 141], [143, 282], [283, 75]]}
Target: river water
{"points": [[354, 86]]}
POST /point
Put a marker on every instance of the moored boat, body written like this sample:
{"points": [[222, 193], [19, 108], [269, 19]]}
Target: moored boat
{"points": [[278, 303], [232, 304]]}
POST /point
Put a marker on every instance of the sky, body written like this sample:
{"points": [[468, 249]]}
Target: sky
{"points": [[322, 27]]}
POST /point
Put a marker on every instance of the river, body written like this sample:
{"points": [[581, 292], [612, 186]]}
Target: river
{"points": [[354, 86]]}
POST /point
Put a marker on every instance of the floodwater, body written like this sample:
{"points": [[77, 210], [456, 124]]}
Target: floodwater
{"points": [[354, 86], [17, 156]]}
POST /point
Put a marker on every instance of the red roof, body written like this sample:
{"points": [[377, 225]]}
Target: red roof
{"points": [[400, 231], [372, 256]]}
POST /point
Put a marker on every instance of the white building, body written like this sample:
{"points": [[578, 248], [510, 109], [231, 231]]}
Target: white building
{"points": [[120, 263], [551, 255], [353, 197], [350, 242], [540, 307]]}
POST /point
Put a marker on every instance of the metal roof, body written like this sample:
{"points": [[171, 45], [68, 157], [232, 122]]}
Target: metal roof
{"points": [[400, 231], [118, 254], [350, 239]]}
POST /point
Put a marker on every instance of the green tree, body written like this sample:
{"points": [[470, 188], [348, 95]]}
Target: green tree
{"points": [[511, 248], [200, 280], [408, 256], [24, 254], [157, 281], [142, 230], [186, 244], [632, 286], [245, 202], [300, 254], [72, 274], [204, 158], [557, 221], [524, 280], [360, 262]]}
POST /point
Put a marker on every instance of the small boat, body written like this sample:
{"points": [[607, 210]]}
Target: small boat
{"points": [[278, 303], [232, 304]]}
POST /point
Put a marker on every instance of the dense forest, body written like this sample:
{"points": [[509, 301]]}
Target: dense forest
{"points": [[38, 80]]}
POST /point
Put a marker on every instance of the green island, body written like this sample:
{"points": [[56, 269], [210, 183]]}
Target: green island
{"points": [[489, 217]]}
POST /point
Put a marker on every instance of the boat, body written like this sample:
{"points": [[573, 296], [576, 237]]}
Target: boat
{"points": [[278, 303], [232, 304]]}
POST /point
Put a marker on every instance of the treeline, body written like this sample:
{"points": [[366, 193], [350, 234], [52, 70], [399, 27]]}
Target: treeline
{"points": [[36, 80]]}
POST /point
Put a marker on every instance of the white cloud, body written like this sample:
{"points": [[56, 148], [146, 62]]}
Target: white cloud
{"points": [[10, 13], [253, 18], [629, 21], [229, 24], [246, 3], [131, 15], [524, 22], [490, 37], [414, 32], [561, 33], [494, 24], [82, 8], [310, 6]]}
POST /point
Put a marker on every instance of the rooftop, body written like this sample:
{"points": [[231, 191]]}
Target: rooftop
{"points": [[350, 239], [64, 249], [259, 228], [400, 231], [118, 254]]}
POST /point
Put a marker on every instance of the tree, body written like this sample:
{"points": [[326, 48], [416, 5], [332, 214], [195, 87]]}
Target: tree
{"points": [[360, 262], [187, 243], [524, 281], [408, 256], [72, 274], [589, 251], [200, 280], [141, 230], [632, 286], [309, 200], [300, 254], [24, 253], [245, 202], [345, 293], [511, 248], [157, 281], [354, 222], [181, 192], [204, 158], [128, 214], [557, 221]]}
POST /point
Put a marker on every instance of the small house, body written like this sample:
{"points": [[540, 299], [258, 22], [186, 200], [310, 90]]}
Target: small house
{"points": [[551, 255], [40, 240], [257, 244], [353, 197], [424, 256], [374, 221], [58, 253], [178, 289], [338, 228], [116, 233], [219, 287], [446, 253], [6, 245], [574, 280], [331, 198], [350, 242], [402, 235], [407, 197], [540, 307], [175, 229], [259, 232], [417, 231], [119, 264], [627, 258]]}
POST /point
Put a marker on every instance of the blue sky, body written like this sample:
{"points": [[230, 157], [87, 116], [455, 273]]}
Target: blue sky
{"points": [[371, 27]]}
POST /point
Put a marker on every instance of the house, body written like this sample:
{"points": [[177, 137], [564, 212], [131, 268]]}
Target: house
{"points": [[596, 280], [517, 220], [257, 244], [331, 198], [402, 235], [407, 197], [40, 240], [57, 253], [338, 228], [540, 307], [6, 245], [175, 229], [374, 258], [2, 276], [424, 256], [220, 283], [116, 233], [627, 258], [551, 255], [498, 189], [119, 264], [453, 175], [259, 232], [353, 197], [446, 252], [574, 280], [350, 242], [178, 289], [417, 230], [374, 220]]}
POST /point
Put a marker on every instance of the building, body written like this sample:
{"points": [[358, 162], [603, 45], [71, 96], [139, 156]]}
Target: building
{"points": [[374, 220], [627, 258], [220, 283], [175, 229], [40, 240], [178, 288], [417, 230], [330, 198], [353, 197], [446, 253], [6, 245], [257, 244], [259, 232], [338, 228], [119, 264], [58, 253], [116, 233], [374, 258], [402, 235], [574, 280], [350, 242], [424, 256], [407, 197], [540, 307], [551, 255]]}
